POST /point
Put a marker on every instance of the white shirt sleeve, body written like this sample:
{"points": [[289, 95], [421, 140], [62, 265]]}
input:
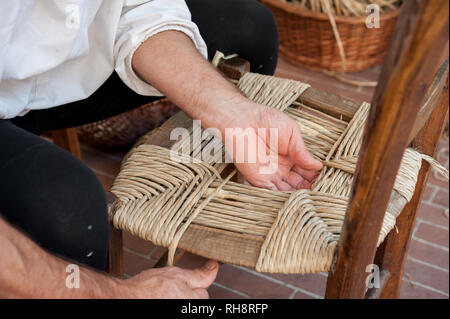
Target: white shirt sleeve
{"points": [[140, 20]]}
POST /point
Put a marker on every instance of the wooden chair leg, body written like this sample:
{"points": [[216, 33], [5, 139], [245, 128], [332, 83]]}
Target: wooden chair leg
{"points": [[114, 263], [68, 140], [392, 254], [115, 253]]}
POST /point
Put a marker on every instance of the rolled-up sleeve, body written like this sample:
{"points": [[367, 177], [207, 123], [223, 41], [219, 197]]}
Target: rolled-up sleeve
{"points": [[140, 19]]}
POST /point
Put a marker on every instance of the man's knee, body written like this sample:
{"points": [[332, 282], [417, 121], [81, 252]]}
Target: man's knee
{"points": [[254, 17], [255, 35], [259, 30], [56, 200], [245, 27]]}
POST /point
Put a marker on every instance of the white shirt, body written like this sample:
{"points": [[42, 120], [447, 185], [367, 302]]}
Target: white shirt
{"points": [[54, 52]]}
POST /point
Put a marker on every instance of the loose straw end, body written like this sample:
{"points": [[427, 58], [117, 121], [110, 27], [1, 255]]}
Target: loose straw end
{"points": [[441, 170]]}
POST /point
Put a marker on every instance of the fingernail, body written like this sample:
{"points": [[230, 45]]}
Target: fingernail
{"points": [[210, 264]]}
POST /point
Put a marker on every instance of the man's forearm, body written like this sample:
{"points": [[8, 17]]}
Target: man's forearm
{"points": [[27, 271], [170, 62]]}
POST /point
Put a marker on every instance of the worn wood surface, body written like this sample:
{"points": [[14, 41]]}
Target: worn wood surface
{"points": [[407, 73], [234, 68], [392, 253], [433, 94], [335, 105], [67, 139], [114, 262]]}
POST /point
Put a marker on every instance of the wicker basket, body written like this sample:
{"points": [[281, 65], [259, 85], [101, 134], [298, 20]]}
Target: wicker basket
{"points": [[124, 129], [307, 39]]}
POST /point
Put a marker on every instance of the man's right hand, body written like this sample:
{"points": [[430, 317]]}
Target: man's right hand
{"points": [[170, 283], [28, 271]]}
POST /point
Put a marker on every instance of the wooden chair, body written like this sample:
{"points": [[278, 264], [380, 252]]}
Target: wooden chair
{"points": [[410, 107]]}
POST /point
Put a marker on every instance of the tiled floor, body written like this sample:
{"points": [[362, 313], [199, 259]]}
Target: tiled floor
{"points": [[427, 266]]}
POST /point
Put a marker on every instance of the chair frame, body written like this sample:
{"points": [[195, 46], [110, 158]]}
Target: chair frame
{"points": [[67, 139]]}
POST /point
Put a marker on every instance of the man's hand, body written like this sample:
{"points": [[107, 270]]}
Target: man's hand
{"points": [[171, 282], [170, 62], [292, 166]]}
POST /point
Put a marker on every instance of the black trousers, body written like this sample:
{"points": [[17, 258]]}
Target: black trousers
{"points": [[57, 200]]}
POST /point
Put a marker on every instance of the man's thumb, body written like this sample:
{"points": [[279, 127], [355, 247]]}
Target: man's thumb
{"points": [[202, 277]]}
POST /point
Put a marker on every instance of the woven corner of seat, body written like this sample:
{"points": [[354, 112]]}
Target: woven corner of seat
{"points": [[181, 201]]}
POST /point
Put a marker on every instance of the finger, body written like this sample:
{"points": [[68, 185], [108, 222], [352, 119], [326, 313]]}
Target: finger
{"points": [[304, 184], [294, 179], [200, 293], [201, 277], [264, 184], [283, 186], [300, 155], [297, 181], [309, 175]]}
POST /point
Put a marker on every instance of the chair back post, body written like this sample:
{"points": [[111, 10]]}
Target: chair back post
{"points": [[420, 38], [391, 255]]}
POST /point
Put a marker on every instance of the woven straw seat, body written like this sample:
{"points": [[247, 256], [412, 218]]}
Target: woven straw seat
{"points": [[177, 200]]}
